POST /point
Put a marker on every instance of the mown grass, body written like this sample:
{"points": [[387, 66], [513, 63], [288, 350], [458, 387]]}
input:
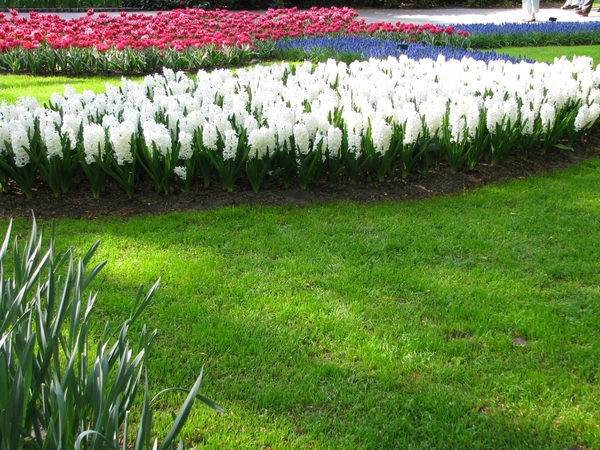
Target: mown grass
{"points": [[469, 321], [547, 54], [14, 86], [389, 325]]}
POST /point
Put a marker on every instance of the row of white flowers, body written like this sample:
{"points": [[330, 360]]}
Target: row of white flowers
{"points": [[300, 121]]}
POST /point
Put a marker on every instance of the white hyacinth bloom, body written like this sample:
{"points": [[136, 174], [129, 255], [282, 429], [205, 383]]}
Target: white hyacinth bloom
{"points": [[458, 129], [548, 116], [210, 136], [93, 142], [301, 138], [250, 124], [19, 140], [4, 137], [28, 103], [381, 132], [355, 143], [51, 140], [157, 134], [334, 141], [528, 119], [70, 127], [28, 121], [180, 172], [587, 116], [57, 100], [434, 113], [48, 118], [262, 142], [284, 131], [319, 141], [231, 144], [119, 137], [185, 140], [494, 113], [311, 121], [109, 121]]}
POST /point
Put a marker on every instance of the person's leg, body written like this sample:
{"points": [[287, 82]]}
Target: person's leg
{"points": [[528, 6], [586, 8]]}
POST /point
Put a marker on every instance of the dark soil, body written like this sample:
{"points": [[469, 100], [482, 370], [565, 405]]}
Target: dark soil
{"points": [[80, 203]]}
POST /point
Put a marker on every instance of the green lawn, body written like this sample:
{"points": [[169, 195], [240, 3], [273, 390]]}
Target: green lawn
{"points": [[375, 326], [547, 54], [14, 86], [469, 321]]}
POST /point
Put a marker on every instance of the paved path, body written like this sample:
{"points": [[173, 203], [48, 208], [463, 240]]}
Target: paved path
{"points": [[444, 16], [464, 15]]}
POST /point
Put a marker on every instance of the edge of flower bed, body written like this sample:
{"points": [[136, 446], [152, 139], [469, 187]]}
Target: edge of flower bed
{"points": [[70, 10]]}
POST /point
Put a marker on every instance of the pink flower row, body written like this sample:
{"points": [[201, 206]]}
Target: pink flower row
{"points": [[183, 28]]}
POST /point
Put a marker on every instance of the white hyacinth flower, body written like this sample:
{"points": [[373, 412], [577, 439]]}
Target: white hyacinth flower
{"points": [[210, 136], [157, 134], [70, 127], [19, 140], [51, 140], [381, 132], [355, 143], [109, 121], [93, 142], [28, 121], [185, 140], [119, 137], [4, 137], [180, 172], [231, 144], [262, 142], [284, 130], [250, 124], [587, 116], [334, 141], [548, 116], [301, 138]]}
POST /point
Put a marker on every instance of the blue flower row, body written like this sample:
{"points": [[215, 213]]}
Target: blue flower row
{"points": [[529, 28], [379, 48]]}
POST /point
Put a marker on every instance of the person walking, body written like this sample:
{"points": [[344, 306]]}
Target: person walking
{"points": [[532, 7], [571, 4], [585, 8]]}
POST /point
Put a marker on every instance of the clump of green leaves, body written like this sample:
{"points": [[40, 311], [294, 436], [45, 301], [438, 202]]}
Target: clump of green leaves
{"points": [[59, 389]]}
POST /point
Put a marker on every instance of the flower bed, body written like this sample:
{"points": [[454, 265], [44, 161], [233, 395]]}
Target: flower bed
{"points": [[301, 123], [192, 28], [491, 35], [363, 48], [191, 39], [144, 43]]}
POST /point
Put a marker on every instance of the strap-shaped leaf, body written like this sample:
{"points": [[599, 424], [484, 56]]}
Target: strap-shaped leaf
{"points": [[143, 436], [184, 412], [87, 433], [6, 241], [138, 307]]}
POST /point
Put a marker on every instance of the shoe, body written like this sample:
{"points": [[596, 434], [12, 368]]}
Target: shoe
{"points": [[532, 19], [581, 13], [569, 7]]}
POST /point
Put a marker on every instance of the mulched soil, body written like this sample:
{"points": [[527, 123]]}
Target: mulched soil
{"points": [[80, 203]]}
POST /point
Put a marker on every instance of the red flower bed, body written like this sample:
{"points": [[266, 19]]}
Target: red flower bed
{"points": [[183, 28]]}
